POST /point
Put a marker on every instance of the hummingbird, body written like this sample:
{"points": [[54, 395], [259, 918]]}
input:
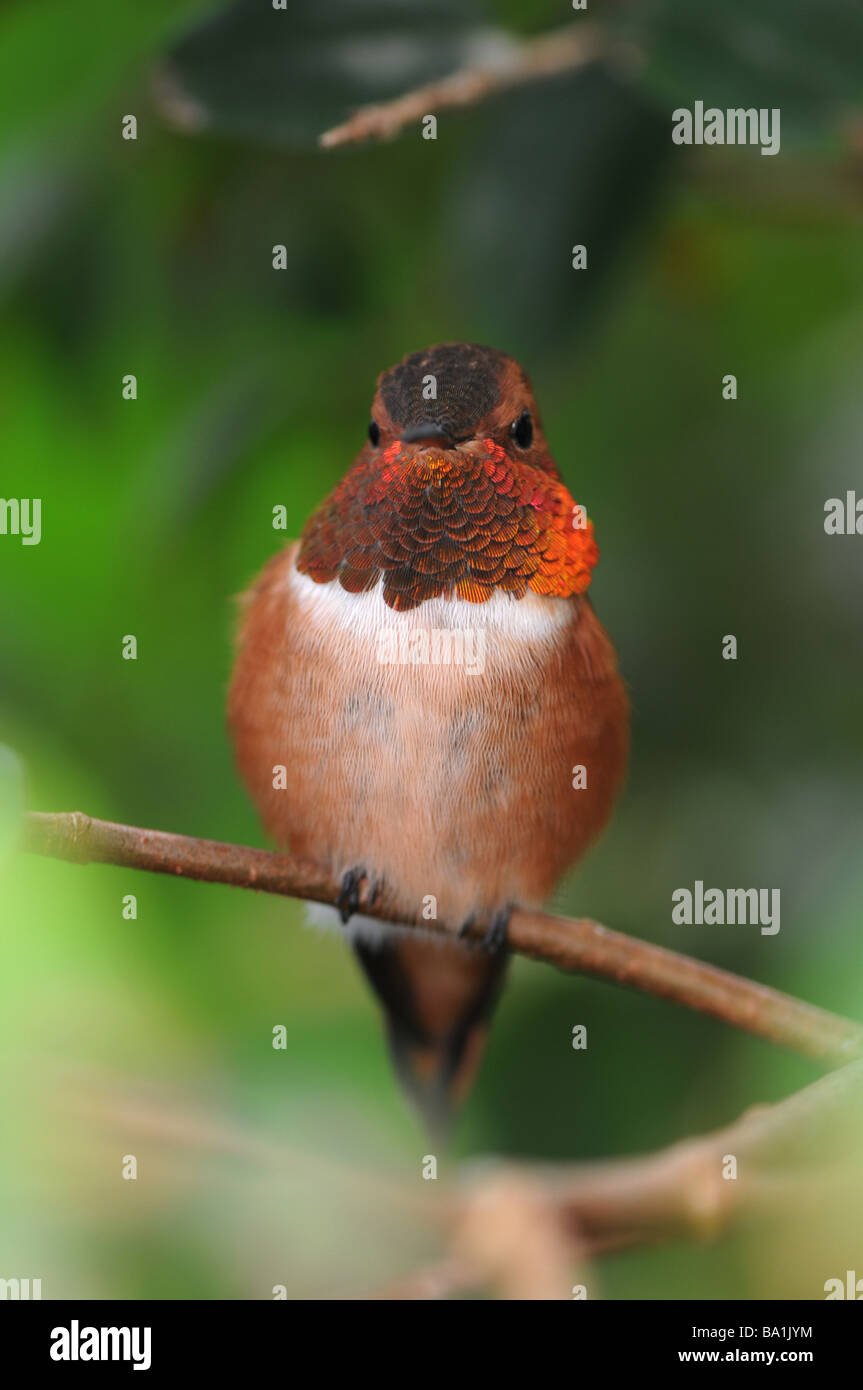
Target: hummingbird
{"points": [[427, 667]]}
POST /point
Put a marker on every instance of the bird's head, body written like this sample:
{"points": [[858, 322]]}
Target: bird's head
{"points": [[457, 397], [454, 491]]}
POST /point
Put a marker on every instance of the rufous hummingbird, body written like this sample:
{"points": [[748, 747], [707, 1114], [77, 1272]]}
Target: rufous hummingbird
{"points": [[458, 786]]}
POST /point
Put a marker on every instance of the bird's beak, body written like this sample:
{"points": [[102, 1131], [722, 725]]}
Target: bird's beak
{"points": [[427, 432]]}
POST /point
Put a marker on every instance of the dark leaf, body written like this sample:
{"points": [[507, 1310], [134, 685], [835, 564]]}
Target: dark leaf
{"points": [[286, 76], [805, 58], [576, 161]]}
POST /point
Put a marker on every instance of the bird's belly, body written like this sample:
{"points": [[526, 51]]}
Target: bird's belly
{"points": [[434, 747]]}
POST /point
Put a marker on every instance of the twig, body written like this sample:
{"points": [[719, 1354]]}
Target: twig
{"points": [[574, 946], [682, 1191], [782, 1153], [563, 50]]}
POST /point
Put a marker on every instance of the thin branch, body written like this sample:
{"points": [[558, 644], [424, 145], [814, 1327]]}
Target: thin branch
{"points": [[563, 50], [785, 1156], [578, 946], [681, 1190]]}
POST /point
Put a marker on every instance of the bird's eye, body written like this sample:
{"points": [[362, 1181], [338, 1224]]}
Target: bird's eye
{"points": [[374, 432], [522, 430]]}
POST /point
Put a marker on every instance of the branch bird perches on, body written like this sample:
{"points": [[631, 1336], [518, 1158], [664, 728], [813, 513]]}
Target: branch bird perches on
{"points": [[579, 946]]}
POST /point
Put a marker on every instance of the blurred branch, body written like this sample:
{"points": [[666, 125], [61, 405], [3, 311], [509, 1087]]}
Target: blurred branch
{"points": [[507, 1234], [563, 50], [572, 1212], [580, 945], [530, 1231]]}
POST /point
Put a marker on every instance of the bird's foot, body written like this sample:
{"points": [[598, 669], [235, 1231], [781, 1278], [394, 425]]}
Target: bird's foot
{"points": [[464, 930], [348, 901], [495, 935]]}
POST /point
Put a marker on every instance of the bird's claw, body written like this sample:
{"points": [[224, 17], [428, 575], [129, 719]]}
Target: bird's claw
{"points": [[496, 931], [348, 901]]}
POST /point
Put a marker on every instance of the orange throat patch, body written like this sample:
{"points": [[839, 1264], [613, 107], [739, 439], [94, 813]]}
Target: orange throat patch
{"points": [[453, 522]]}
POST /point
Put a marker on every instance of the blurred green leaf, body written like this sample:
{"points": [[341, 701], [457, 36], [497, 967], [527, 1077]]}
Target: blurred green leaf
{"points": [[11, 800], [59, 62]]}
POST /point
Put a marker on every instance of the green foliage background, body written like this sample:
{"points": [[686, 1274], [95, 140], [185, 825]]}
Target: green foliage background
{"points": [[153, 1037]]}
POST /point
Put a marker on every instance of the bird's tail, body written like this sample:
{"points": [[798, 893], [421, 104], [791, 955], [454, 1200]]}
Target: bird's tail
{"points": [[438, 996]]}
